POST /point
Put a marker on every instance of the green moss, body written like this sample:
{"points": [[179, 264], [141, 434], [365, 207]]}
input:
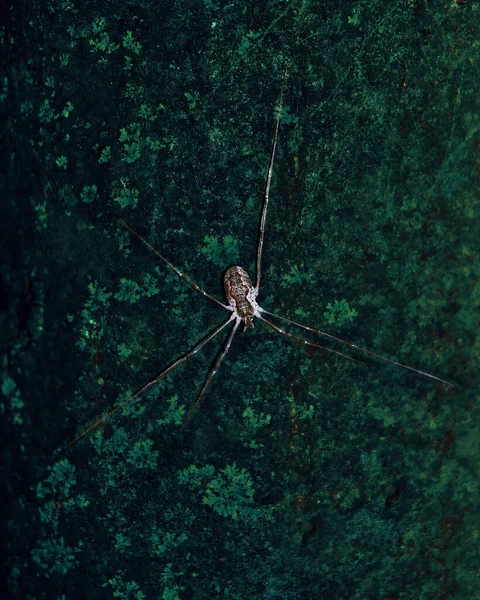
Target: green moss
{"points": [[127, 197], [129, 291], [16, 404], [230, 494], [59, 483], [105, 155], [339, 313], [54, 556], [88, 194], [322, 478], [130, 43], [222, 253], [61, 162], [126, 590], [297, 276], [143, 456], [174, 413]]}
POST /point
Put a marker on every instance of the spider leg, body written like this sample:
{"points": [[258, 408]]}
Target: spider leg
{"points": [[174, 269], [267, 189], [212, 372], [304, 341], [162, 374], [352, 345]]}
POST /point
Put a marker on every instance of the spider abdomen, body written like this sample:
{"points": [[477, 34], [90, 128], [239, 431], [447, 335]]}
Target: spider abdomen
{"points": [[240, 294]]}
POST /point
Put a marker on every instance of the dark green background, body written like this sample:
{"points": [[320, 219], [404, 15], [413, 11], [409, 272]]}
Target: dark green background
{"points": [[373, 493]]}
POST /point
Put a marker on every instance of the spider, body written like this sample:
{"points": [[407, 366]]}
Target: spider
{"points": [[242, 305]]}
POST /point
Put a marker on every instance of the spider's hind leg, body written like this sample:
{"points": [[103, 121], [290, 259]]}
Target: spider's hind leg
{"points": [[212, 372]]}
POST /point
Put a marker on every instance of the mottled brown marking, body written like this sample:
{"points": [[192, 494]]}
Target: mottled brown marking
{"points": [[240, 294]]}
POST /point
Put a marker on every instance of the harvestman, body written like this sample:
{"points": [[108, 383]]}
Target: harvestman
{"points": [[242, 304]]}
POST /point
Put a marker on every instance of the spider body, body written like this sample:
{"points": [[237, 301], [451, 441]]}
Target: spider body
{"points": [[241, 295]]}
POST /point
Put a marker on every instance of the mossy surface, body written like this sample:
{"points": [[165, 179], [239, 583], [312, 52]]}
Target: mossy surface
{"points": [[301, 474]]}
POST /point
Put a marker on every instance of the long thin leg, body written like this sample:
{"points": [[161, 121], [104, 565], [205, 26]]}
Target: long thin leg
{"points": [[212, 372], [304, 341], [174, 269], [161, 375], [267, 189], [352, 345]]}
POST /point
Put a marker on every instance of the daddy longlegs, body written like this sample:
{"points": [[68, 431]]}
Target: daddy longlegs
{"points": [[242, 304]]}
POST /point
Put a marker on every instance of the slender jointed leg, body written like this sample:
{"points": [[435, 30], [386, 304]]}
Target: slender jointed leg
{"points": [[161, 375], [213, 371], [304, 341], [174, 269], [352, 345], [267, 189]]}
